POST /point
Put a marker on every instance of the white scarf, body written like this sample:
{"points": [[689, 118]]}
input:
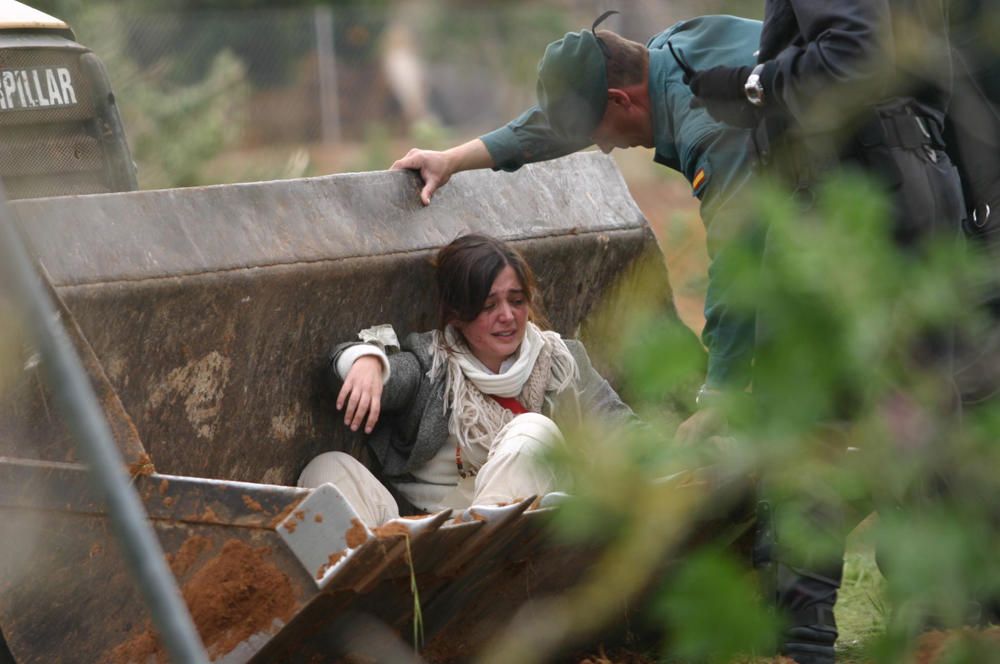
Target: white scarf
{"points": [[475, 417]]}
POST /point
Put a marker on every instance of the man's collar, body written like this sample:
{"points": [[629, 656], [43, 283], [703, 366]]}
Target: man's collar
{"points": [[659, 65]]}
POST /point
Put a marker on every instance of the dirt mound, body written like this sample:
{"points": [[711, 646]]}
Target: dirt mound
{"points": [[233, 596]]}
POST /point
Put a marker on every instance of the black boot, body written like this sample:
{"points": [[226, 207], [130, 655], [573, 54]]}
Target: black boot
{"points": [[807, 599], [804, 597]]}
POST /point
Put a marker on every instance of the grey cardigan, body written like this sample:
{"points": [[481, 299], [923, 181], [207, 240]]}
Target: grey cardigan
{"points": [[414, 424]]}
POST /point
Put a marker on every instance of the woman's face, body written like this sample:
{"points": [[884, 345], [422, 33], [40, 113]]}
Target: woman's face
{"points": [[496, 333]]}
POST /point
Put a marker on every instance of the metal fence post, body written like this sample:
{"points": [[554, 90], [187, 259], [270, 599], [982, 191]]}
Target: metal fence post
{"points": [[329, 101]]}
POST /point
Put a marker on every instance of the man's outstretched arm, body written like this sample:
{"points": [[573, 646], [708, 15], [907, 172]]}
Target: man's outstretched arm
{"points": [[436, 168], [524, 140]]}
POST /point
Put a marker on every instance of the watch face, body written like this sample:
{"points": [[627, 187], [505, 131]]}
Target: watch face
{"points": [[754, 90]]}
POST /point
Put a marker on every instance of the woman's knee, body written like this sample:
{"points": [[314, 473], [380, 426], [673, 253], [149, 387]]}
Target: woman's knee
{"points": [[530, 433], [367, 495], [331, 468]]}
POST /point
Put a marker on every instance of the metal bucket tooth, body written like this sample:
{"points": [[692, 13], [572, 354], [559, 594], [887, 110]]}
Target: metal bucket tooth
{"points": [[430, 553], [394, 534], [495, 519], [324, 532], [416, 528]]}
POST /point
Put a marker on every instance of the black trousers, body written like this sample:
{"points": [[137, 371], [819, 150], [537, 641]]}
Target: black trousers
{"points": [[926, 202]]}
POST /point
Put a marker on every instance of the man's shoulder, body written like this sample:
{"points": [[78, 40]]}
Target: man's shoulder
{"points": [[703, 28]]}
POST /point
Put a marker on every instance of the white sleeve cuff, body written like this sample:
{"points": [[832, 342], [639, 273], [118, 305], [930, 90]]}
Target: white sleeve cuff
{"points": [[383, 336], [352, 353]]}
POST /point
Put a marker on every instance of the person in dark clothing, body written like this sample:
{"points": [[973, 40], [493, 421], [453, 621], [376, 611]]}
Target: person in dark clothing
{"points": [[973, 138], [973, 127], [836, 86], [833, 88]]}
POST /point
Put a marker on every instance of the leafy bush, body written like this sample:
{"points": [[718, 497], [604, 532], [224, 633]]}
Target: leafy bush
{"points": [[857, 418], [173, 129]]}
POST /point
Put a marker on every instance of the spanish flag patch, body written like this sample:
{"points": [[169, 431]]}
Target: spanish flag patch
{"points": [[699, 179]]}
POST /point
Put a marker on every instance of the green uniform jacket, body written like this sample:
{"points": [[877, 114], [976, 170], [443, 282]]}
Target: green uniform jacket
{"points": [[712, 156]]}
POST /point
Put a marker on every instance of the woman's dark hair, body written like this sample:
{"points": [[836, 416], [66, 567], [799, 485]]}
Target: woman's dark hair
{"points": [[465, 270]]}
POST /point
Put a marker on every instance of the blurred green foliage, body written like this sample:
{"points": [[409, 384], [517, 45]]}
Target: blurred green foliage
{"points": [[856, 416], [505, 39], [709, 591], [68, 10], [471, 36], [268, 38], [175, 129], [377, 153], [269, 43]]}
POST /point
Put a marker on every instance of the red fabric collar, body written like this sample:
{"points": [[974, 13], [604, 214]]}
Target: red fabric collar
{"points": [[511, 404]]}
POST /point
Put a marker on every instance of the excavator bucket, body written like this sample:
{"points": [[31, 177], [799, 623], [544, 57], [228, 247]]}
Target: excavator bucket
{"points": [[204, 317]]}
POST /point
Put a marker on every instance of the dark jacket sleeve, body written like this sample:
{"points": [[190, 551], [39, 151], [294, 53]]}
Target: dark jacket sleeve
{"points": [[415, 425], [973, 138], [839, 42]]}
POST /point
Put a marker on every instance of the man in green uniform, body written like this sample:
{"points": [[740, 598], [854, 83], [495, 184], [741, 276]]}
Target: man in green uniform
{"points": [[597, 88]]}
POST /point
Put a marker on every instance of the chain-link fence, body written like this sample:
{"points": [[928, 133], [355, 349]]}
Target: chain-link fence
{"points": [[325, 74]]}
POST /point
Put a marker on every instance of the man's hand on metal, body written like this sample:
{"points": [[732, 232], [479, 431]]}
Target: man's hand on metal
{"points": [[721, 91], [434, 168]]}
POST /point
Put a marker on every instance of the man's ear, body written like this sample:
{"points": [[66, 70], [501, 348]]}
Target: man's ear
{"points": [[619, 97]]}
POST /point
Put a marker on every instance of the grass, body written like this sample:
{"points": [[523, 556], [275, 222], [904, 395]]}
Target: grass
{"points": [[418, 616], [861, 613], [861, 608]]}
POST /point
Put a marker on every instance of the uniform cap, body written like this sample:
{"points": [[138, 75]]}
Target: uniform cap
{"points": [[572, 85]]}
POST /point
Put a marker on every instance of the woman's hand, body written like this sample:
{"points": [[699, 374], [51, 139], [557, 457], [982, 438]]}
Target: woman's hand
{"points": [[362, 393]]}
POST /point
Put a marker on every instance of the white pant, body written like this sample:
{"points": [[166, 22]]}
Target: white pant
{"points": [[513, 471], [369, 498], [515, 467]]}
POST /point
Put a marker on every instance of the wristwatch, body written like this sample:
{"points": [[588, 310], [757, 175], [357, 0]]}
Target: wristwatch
{"points": [[753, 88]]}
